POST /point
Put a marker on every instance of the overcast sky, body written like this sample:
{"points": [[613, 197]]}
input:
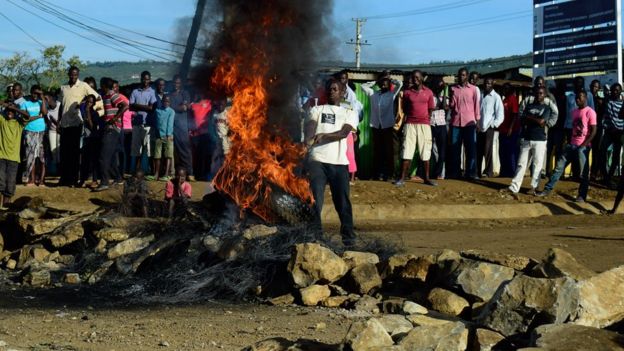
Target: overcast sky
{"points": [[478, 28]]}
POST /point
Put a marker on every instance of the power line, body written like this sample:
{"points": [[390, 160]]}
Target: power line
{"points": [[81, 35], [426, 10], [116, 26], [460, 25], [102, 33], [125, 41], [23, 30]]}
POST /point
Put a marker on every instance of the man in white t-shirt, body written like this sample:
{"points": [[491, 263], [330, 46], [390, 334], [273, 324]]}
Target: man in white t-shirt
{"points": [[326, 131]]}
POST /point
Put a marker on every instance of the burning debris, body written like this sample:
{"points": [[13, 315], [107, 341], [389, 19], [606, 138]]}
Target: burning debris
{"points": [[260, 49]]}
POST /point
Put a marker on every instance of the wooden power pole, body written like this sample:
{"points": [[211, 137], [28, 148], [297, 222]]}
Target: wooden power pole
{"points": [[192, 39]]}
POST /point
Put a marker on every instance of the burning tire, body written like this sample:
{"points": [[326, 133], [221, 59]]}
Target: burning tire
{"points": [[290, 208]]}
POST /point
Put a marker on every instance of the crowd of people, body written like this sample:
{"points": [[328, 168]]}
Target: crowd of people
{"points": [[93, 137], [450, 132], [96, 137]]}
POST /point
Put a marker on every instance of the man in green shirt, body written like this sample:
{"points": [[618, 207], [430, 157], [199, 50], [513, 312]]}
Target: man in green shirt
{"points": [[11, 129]]}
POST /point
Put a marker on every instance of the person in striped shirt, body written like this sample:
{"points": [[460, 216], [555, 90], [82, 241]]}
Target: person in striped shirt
{"points": [[613, 124]]}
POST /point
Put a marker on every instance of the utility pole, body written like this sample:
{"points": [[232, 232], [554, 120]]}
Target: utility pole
{"points": [[358, 40], [192, 39]]}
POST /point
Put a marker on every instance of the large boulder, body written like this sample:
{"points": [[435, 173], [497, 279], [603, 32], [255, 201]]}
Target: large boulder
{"points": [[357, 258], [560, 263], [364, 278], [417, 269], [313, 294], [311, 263], [365, 335], [447, 302], [479, 280], [487, 340], [601, 299], [447, 336], [129, 246], [519, 263], [564, 337], [527, 301], [393, 264], [395, 324]]}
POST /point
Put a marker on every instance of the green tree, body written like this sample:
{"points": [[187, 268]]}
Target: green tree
{"points": [[48, 70]]}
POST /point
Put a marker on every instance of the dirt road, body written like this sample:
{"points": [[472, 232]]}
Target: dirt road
{"points": [[70, 320]]}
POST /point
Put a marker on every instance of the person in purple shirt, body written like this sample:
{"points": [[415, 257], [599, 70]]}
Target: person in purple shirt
{"points": [[142, 102]]}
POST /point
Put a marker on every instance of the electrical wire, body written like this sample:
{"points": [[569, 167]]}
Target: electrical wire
{"points": [[23, 30], [102, 33], [116, 26], [426, 10], [460, 25], [81, 35]]}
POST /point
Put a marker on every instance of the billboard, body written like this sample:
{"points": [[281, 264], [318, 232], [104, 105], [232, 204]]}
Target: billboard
{"points": [[576, 37]]}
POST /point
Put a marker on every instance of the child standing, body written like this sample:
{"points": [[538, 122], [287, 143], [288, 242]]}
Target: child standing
{"points": [[10, 136], [178, 192], [163, 147], [135, 194]]}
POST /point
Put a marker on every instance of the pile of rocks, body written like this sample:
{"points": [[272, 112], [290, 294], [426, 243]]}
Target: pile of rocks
{"points": [[42, 246], [470, 300]]}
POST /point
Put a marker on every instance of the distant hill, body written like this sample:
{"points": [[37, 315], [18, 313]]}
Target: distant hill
{"points": [[129, 72]]}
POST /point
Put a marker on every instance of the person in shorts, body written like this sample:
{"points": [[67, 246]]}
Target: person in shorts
{"points": [[417, 103], [163, 144], [11, 129]]}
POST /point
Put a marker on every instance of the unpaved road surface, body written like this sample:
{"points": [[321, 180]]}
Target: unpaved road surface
{"points": [[57, 319]]}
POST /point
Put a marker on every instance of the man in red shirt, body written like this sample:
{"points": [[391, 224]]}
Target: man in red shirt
{"points": [[508, 133], [115, 105], [417, 103]]}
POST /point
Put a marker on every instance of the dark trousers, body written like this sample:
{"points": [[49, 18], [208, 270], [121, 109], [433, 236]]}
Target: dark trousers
{"points": [[596, 158], [202, 150], [383, 152], [569, 154], [8, 177], [463, 136], [70, 155], [611, 138], [485, 145], [90, 155], [337, 176], [125, 159], [439, 134], [108, 154], [508, 153], [554, 148]]}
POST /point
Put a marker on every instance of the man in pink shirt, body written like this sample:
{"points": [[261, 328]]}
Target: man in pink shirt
{"points": [[417, 103], [583, 131], [465, 109]]}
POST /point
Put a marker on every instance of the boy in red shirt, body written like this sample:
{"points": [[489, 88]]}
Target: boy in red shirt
{"points": [[178, 192]]}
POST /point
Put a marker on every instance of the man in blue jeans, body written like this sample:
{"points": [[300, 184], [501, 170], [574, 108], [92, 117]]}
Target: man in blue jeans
{"points": [[465, 104], [583, 131], [326, 131]]}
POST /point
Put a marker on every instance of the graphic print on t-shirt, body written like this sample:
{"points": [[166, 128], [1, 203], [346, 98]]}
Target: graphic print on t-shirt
{"points": [[578, 128], [328, 118]]}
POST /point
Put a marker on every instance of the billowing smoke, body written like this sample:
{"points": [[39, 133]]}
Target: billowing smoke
{"points": [[260, 57], [299, 36]]}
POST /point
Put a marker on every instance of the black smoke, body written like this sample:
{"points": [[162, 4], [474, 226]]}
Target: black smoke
{"points": [[298, 39]]}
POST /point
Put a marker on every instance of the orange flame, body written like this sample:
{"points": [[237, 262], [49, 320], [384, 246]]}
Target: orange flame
{"points": [[258, 154]]}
